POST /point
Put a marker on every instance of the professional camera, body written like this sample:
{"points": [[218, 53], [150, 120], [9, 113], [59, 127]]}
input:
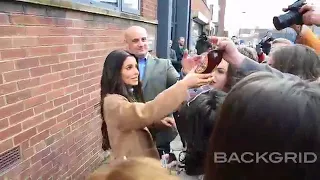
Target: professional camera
{"points": [[267, 38], [203, 44], [203, 37], [265, 43], [235, 40], [291, 17]]}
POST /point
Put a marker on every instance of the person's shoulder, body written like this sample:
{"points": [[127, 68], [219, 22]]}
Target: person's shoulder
{"points": [[159, 60], [111, 98]]}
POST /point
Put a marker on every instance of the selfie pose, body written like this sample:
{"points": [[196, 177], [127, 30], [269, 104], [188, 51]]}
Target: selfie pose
{"points": [[126, 117]]}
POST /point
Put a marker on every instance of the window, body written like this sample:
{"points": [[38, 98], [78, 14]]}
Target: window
{"points": [[111, 2], [131, 6], [128, 6], [108, 4]]}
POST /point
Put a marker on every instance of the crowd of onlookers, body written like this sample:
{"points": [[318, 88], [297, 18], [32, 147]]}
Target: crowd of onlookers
{"points": [[256, 116]]}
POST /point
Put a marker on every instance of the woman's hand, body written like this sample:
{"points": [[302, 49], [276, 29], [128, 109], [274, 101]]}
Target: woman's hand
{"points": [[167, 122], [188, 62], [194, 80]]}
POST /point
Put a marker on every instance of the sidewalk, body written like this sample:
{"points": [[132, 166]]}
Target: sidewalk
{"points": [[176, 146]]}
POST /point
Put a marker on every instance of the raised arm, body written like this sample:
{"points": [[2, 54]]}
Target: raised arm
{"points": [[244, 64], [126, 115]]}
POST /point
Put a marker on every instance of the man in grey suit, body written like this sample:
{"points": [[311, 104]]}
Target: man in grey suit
{"points": [[156, 76]]}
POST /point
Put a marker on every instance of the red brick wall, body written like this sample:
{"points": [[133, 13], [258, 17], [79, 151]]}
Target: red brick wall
{"points": [[149, 9], [50, 66], [199, 5]]}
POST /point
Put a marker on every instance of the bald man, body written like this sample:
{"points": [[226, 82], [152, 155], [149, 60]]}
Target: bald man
{"points": [[156, 76]]}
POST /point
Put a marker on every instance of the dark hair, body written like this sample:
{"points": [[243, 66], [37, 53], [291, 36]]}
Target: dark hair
{"points": [[266, 113], [195, 124], [299, 60], [112, 83], [233, 76]]}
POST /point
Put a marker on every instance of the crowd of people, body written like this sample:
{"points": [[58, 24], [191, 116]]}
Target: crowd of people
{"points": [[251, 103]]}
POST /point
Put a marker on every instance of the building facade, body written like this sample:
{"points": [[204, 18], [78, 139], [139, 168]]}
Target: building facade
{"points": [[188, 19], [201, 21], [51, 57]]}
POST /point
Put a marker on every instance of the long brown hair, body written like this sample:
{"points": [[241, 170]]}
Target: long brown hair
{"points": [[112, 83]]}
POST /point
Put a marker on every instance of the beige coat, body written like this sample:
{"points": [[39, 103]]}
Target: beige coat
{"points": [[127, 122]]}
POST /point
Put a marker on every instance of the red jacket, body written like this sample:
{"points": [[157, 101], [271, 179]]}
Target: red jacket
{"points": [[261, 57]]}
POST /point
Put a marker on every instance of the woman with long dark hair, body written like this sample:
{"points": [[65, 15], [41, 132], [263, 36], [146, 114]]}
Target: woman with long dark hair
{"points": [[125, 115], [195, 124]]}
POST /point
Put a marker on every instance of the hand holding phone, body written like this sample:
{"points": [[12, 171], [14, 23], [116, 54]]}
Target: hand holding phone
{"points": [[210, 60]]}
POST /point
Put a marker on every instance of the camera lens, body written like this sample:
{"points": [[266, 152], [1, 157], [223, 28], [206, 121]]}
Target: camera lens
{"points": [[286, 20]]}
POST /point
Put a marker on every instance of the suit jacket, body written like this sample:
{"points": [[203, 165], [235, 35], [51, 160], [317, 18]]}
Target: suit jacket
{"points": [[179, 52], [173, 55], [127, 122], [159, 75]]}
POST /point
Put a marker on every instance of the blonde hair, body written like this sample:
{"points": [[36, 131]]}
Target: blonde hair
{"points": [[249, 52], [134, 169], [282, 41]]}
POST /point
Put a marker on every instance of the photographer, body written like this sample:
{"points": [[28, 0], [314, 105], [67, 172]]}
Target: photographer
{"points": [[265, 43], [235, 39], [304, 34], [298, 15], [203, 45]]}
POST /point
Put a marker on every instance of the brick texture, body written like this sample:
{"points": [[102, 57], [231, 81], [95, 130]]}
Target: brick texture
{"points": [[149, 9], [50, 67], [200, 5]]}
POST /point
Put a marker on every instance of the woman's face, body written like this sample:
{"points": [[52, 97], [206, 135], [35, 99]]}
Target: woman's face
{"points": [[129, 71], [220, 75]]}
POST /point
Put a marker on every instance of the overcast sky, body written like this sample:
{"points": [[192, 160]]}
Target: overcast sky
{"points": [[252, 13]]}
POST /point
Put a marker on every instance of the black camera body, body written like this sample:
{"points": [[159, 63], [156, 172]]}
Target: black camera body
{"points": [[203, 44], [203, 37], [291, 17], [265, 39]]}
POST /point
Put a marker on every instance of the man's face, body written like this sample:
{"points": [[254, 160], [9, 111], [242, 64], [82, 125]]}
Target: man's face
{"points": [[181, 41], [137, 42], [170, 43]]}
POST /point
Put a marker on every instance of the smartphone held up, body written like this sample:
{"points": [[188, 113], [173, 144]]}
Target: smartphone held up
{"points": [[210, 60]]}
